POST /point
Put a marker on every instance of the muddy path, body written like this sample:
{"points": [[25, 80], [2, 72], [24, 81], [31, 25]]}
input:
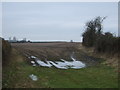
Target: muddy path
{"points": [[55, 52]]}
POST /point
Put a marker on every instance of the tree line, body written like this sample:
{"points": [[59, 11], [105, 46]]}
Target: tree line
{"points": [[103, 42]]}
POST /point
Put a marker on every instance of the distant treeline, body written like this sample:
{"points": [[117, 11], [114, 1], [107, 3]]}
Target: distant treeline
{"points": [[39, 42], [102, 42], [51, 42]]}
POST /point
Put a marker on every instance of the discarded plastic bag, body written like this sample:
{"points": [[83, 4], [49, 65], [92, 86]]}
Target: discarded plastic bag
{"points": [[33, 77]]}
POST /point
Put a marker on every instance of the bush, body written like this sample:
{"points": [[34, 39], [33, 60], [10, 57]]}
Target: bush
{"points": [[6, 49], [107, 43], [94, 37]]}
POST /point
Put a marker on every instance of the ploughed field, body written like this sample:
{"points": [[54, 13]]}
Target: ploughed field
{"points": [[59, 55], [52, 51], [55, 52], [22, 73]]}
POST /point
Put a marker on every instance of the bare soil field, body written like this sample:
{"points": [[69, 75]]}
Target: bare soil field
{"points": [[51, 51], [55, 51]]}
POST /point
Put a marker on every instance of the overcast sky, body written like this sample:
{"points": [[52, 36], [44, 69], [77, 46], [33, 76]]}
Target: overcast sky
{"points": [[55, 21]]}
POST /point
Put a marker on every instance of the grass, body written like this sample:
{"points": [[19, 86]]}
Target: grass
{"points": [[16, 75]]}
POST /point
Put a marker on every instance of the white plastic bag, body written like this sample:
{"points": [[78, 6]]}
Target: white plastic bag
{"points": [[33, 77]]}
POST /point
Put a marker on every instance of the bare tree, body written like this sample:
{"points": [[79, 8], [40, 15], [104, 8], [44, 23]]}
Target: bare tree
{"points": [[92, 31]]}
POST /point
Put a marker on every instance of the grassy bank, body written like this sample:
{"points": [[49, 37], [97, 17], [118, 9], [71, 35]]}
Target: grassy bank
{"points": [[16, 74], [109, 60]]}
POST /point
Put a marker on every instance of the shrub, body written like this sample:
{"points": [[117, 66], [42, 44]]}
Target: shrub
{"points": [[94, 37], [107, 43], [6, 49]]}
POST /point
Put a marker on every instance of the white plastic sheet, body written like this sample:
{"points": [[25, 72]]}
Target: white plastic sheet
{"points": [[63, 64], [41, 63]]}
